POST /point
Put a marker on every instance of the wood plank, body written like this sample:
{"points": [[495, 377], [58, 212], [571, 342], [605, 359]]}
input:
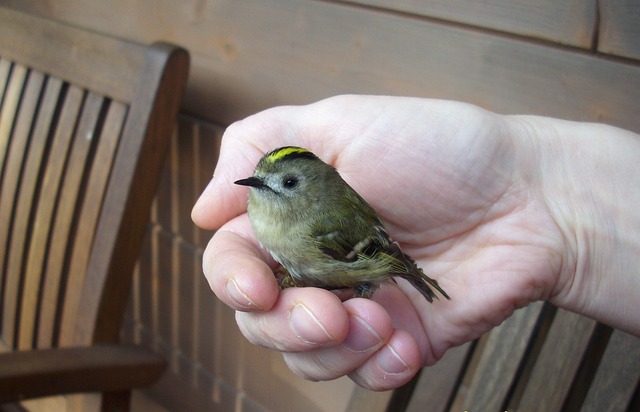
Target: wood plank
{"points": [[209, 137], [617, 377], [185, 139], [5, 69], [50, 187], [27, 206], [9, 110], [89, 369], [64, 218], [567, 22], [568, 337], [437, 384], [501, 359], [49, 49], [255, 54], [620, 28], [106, 143], [11, 185]]}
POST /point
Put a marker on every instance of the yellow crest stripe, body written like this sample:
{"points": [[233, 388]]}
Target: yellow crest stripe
{"points": [[278, 154]]}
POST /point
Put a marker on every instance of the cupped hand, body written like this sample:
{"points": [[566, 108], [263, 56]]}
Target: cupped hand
{"points": [[451, 183]]}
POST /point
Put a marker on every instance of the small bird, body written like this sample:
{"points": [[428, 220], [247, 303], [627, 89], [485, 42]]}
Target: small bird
{"points": [[321, 231]]}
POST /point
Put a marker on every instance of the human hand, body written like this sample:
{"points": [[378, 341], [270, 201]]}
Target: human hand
{"points": [[451, 183]]}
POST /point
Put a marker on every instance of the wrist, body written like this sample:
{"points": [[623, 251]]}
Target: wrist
{"points": [[587, 176]]}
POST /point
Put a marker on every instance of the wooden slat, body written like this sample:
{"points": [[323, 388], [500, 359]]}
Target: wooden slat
{"points": [[243, 65], [29, 195], [65, 215], [49, 48], [567, 22], [620, 28], [207, 151], [560, 358], [11, 181], [50, 187], [617, 377], [133, 183], [437, 384], [186, 191], [7, 115], [500, 360], [364, 400], [107, 144], [9, 110], [5, 69]]}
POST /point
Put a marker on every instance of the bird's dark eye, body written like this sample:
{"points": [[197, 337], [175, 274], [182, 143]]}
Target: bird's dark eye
{"points": [[290, 182]]}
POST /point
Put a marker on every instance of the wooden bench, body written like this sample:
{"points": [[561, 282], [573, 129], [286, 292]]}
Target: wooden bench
{"points": [[85, 123], [540, 359]]}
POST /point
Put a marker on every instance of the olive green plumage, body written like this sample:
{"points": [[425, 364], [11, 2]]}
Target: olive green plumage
{"points": [[320, 230]]}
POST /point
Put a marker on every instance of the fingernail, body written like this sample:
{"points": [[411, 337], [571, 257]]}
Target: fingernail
{"points": [[307, 327], [390, 362], [361, 337], [238, 296]]}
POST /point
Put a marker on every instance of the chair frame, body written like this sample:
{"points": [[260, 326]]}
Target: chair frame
{"points": [[146, 83]]}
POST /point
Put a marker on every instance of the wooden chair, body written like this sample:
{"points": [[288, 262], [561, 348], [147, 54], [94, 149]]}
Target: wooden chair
{"points": [[85, 121], [540, 359]]}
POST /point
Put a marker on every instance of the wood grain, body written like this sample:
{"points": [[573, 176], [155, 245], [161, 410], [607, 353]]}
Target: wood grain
{"points": [[10, 217], [504, 352], [79, 170], [620, 28], [39, 257], [29, 196], [617, 377], [560, 358], [255, 54], [567, 22], [47, 49]]}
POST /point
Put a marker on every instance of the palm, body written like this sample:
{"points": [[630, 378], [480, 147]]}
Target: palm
{"points": [[442, 177], [478, 232]]}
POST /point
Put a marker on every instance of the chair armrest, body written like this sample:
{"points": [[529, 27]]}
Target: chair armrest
{"points": [[101, 368]]}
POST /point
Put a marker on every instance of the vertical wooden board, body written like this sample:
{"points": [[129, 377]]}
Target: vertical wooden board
{"points": [[569, 336], [16, 236], [100, 170], [620, 28], [206, 329], [27, 205], [186, 139], [617, 377], [165, 297], [52, 180], [437, 384], [230, 346], [568, 22], [501, 358], [183, 272], [142, 293], [164, 203], [207, 152]]}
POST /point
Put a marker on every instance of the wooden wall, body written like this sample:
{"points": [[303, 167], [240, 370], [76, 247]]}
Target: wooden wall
{"points": [[574, 59]]}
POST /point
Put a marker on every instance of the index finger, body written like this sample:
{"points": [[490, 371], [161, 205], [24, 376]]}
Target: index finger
{"points": [[238, 270]]}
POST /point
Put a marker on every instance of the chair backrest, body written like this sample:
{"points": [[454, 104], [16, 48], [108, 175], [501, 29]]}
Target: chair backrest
{"points": [[85, 121], [540, 359]]}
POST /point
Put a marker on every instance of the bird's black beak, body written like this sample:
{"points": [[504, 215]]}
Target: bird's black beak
{"points": [[251, 181]]}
